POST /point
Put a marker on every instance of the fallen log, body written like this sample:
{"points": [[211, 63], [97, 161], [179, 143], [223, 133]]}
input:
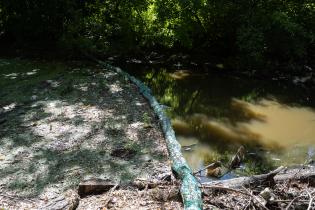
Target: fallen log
{"points": [[94, 186], [305, 174]]}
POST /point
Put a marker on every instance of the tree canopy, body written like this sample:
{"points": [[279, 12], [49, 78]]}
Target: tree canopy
{"points": [[252, 32]]}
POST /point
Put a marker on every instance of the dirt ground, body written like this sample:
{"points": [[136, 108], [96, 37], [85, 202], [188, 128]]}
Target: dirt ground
{"points": [[61, 124]]}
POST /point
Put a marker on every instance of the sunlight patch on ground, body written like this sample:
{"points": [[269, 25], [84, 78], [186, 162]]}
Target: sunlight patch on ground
{"points": [[67, 124], [15, 75], [133, 130], [115, 88], [9, 107]]}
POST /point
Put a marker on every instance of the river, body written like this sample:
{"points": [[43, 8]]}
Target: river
{"points": [[214, 113]]}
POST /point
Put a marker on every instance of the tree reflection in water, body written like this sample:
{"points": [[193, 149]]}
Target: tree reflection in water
{"points": [[218, 113]]}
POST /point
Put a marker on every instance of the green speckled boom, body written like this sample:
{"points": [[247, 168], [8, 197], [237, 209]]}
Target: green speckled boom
{"points": [[190, 191]]}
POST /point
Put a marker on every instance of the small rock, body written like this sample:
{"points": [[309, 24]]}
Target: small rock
{"points": [[113, 200], [267, 194]]}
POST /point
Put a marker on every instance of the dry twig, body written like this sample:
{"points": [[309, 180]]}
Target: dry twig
{"points": [[311, 200], [206, 167], [236, 191], [256, 199], [109, 194]]}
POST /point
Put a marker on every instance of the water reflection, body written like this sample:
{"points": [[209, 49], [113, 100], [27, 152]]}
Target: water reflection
{"points": [[270, 124], [214, 114], [277, 128], [179, 74], [283, 125]]}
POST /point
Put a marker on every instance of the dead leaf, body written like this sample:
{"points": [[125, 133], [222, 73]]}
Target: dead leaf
{"points": [[2, 157]]}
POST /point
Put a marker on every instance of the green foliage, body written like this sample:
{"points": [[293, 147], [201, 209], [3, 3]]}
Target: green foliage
{"points": [[146, 118], [254, 32], [276, 31], [251, 96], [251, 43]]}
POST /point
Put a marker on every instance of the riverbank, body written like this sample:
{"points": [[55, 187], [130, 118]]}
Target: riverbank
{"points": [[201, 61], [69, 131], [62, 124]]}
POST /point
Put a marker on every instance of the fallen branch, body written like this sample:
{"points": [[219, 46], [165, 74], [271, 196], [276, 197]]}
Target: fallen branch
{"points": [[311, 200], [218, 163], [256, 199], [226, 189], [94, 186], [303, 173], [237, 158], [108, 196], [247, 181], [297, 198]]}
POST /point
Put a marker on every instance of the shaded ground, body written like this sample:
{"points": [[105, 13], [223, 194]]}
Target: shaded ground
{"points": [[60, 124]]}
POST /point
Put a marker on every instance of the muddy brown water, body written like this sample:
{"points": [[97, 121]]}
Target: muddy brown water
{"points": [[213, 114]]}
